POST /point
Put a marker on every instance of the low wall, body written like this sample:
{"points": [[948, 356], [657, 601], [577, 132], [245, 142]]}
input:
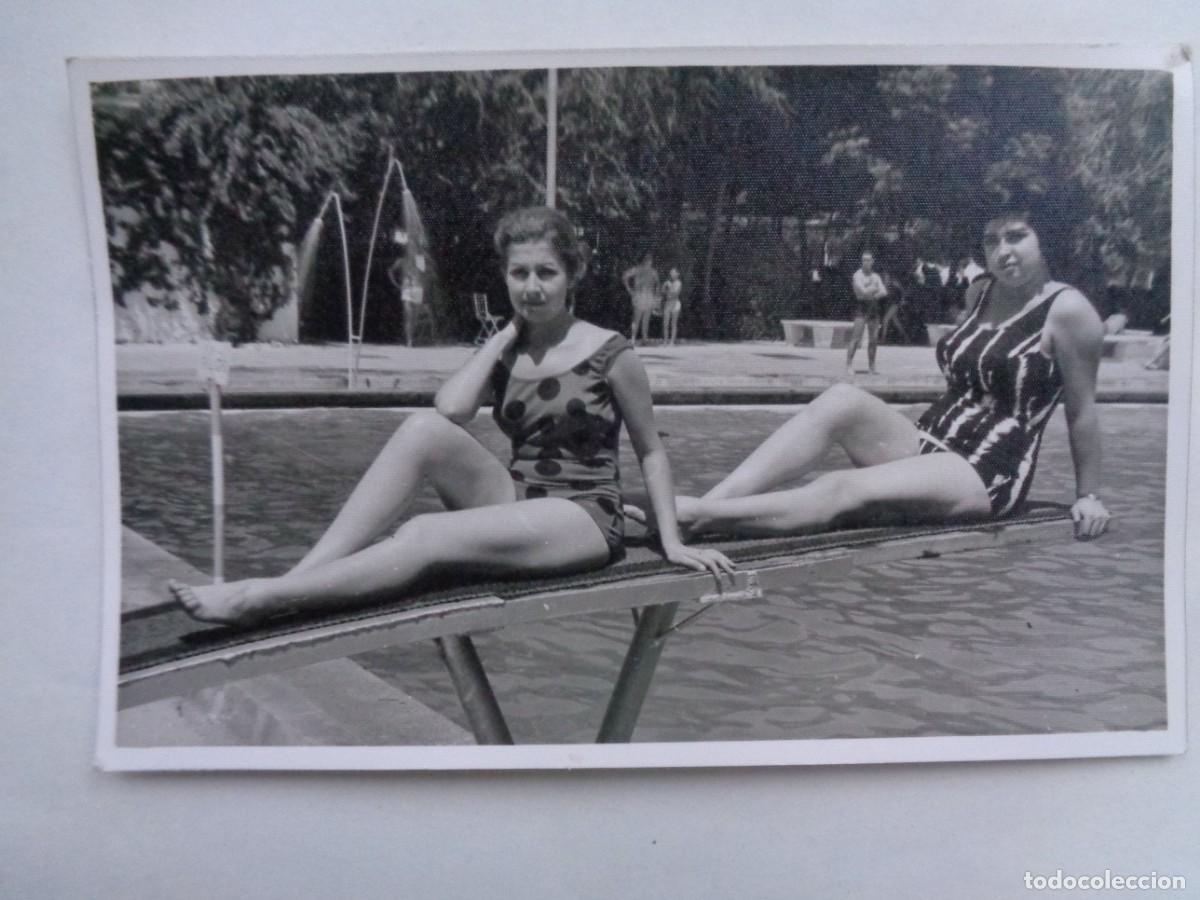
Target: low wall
{"points": [[821, 333], [937, 332], [1131, 346]]}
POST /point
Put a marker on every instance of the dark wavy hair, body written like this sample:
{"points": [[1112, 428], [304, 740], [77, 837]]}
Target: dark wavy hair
{"points": [[1053, 216], [541, 223]]}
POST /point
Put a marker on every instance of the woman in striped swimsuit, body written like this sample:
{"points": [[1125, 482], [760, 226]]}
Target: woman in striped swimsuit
{"points": [[1029, 342]]}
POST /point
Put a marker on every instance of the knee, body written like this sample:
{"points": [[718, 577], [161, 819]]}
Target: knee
{"points": [[424, 426], [840, 403], [841, 395]]}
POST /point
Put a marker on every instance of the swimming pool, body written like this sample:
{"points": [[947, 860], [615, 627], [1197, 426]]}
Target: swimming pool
{"points": [[1060, 638]]}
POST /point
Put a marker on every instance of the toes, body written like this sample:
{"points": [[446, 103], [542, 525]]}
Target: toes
{"points": [[186, 597], [635, 513], [182, 593]]}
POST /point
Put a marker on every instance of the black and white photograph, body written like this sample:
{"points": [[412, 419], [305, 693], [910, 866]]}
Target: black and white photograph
{"points": [[644, 409]]}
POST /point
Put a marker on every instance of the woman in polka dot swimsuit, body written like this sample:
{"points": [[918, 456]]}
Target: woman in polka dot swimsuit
{"points": [[561, 389]]}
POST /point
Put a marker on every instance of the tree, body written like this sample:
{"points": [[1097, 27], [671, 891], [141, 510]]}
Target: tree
{"points": [[202, 183], [1119, 150]]}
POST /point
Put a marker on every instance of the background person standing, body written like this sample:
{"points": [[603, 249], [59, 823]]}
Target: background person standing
{"points": [[642, 283], [869, 292], [672, 291]]}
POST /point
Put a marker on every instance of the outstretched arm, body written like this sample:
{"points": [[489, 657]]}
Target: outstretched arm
{"points": [[631, 387], [1078, 338], [467, 389]]}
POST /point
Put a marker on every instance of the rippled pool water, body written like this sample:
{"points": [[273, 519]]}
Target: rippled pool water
{"points": [[1060, 637]]}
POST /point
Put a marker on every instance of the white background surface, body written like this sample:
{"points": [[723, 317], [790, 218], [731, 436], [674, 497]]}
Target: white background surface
{"points": [[66, 830]]}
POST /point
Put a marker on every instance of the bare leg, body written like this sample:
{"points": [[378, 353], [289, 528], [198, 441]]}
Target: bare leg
{"points": [[639, 317], [938, 487], [426, 448], [856, 335], [410, 322], [535, 537], [872, 343], [869, 430]]}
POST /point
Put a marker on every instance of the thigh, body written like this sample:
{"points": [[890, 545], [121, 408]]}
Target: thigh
{"points": [[463, 472], [929, 488], [856, 331], [870, 431], [535, 537]]}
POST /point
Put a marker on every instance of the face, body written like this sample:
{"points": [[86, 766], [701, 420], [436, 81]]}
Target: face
{"points": [[537, 281], [1013, 253], [674, 274], [868, 262]]}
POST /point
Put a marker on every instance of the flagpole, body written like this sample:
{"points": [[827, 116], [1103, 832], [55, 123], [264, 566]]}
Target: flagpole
{"points": [[551, 136]]}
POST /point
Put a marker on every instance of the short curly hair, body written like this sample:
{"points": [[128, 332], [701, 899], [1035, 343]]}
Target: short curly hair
{"points": [[541, 223]]}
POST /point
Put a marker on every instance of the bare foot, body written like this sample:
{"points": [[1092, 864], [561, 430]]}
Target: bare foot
{"points": [[636, 514], [235, 603], [685, 515]]}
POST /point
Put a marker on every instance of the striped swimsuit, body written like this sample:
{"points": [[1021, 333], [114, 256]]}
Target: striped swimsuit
{"points": [[1001, 391]]}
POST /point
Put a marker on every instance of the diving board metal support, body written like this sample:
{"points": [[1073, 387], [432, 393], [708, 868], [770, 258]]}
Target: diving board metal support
{"points": [[633, 683], [474, 690], [654, 624]]}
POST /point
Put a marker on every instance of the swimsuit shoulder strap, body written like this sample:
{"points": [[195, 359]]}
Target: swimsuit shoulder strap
{"points": [[1044, 305], [608, 352]]}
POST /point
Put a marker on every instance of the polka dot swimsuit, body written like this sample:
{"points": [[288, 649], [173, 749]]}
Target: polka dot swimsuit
{"points": [[565, 432]]}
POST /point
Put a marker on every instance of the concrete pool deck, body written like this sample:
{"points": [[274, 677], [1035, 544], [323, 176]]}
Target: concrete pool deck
{"points": [[164, 376]]}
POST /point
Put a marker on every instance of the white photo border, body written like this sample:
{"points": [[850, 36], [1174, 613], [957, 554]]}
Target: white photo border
{"points": [[701, 754]]}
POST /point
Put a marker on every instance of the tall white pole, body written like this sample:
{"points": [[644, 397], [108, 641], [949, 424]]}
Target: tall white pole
{"points": [[350, 356], [551, 136], [218, 484], [214, 372]]}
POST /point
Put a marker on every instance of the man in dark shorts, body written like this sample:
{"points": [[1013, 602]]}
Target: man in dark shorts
{"points": [[869, 292]]}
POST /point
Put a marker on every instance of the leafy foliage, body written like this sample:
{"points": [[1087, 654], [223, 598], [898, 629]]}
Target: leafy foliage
{"points": [[208, 184], [202, 181]]}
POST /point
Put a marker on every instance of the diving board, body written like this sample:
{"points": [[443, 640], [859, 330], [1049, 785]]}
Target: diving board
{"points": [[333, 703], [166, 653]]}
